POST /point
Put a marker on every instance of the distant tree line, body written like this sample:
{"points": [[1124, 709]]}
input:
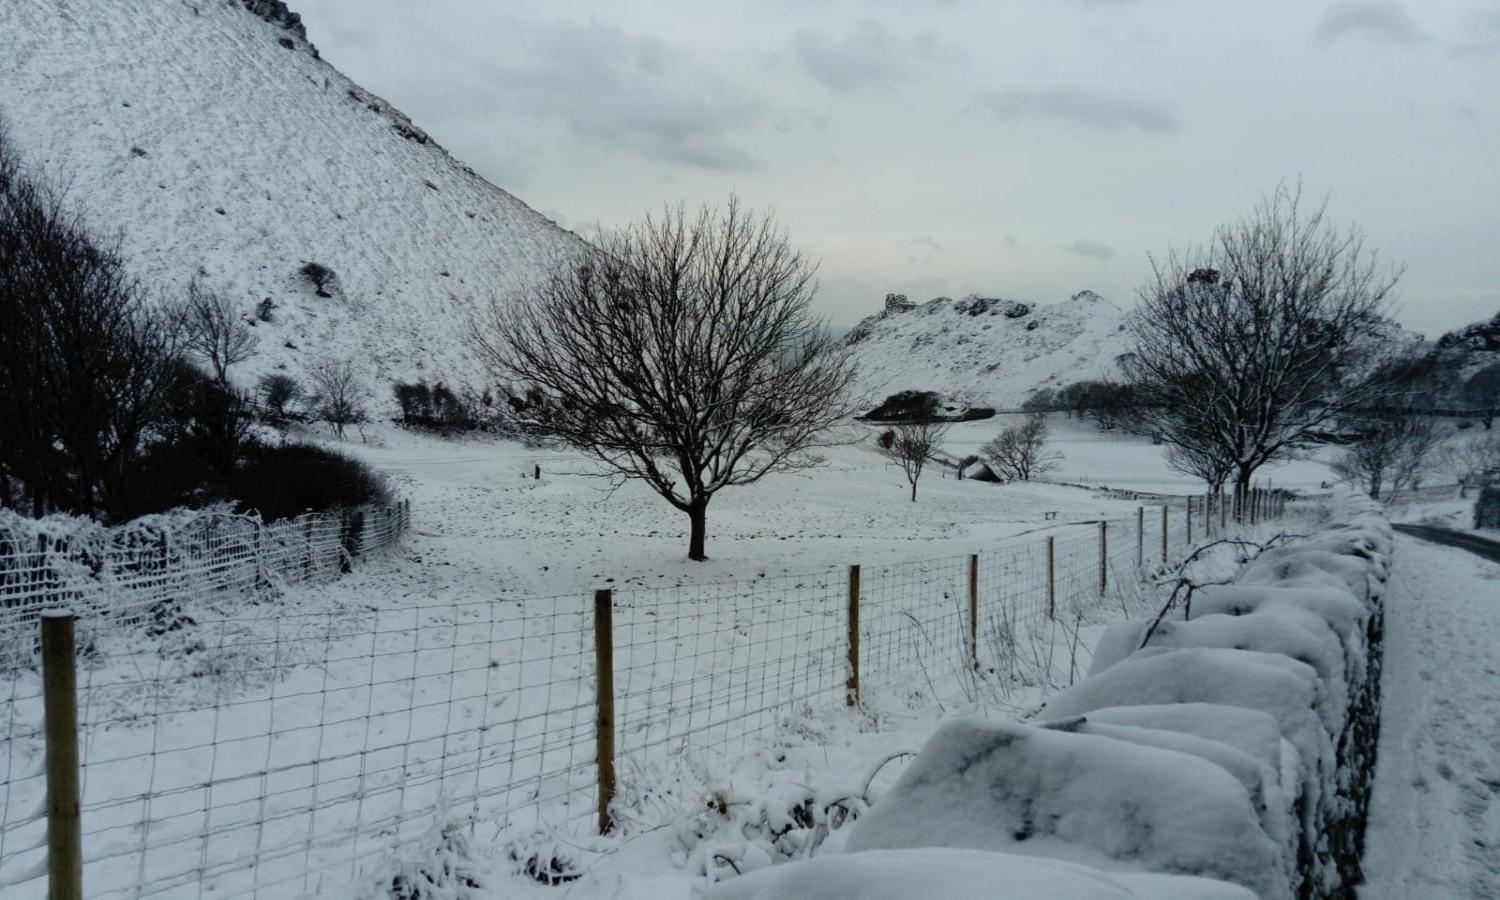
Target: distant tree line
{"points": [[114, 406]]}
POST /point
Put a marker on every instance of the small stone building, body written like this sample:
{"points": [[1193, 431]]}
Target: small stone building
{"points": [[1487, 508]]}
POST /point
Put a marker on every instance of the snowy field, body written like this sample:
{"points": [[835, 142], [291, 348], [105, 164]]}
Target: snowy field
{"points": [[485, 528], [1113, 459], [468, 651], [456, 674]]}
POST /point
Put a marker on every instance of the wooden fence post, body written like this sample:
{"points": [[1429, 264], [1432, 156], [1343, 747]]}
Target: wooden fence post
{"points": [[974, 607], [604, 722], [1103, 558], [1165, 524], [307, 545], [60, 705], [851, 695], [1051, 577], [1140, 536]]}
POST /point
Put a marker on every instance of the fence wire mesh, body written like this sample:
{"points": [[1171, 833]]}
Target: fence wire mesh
{"points": [[289, 752], [131, 576]]}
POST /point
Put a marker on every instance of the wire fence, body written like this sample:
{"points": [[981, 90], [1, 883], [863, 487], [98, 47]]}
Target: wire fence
{"points": [[136, 576], [288, 752]]}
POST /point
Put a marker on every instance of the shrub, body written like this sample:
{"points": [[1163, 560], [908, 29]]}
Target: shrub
{"points": [[322, 278], [207, 418], [167, 476], [441, 408], [277, 395], [907, 406], [281, 482], [1042, 400], [415, 401]]}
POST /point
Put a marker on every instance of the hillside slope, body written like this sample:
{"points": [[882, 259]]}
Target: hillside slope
{"points": [[215, 139], [986, 351]]}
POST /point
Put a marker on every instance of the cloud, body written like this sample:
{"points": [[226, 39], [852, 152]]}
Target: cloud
{"points": [[1481, 35], [1081, 108], [1091, 249], [619, 90], [869, 58], [920, 249], [1369, 19]]}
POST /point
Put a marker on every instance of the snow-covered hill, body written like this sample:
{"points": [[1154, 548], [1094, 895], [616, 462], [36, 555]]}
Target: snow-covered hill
{"points": [[214, 137], [987, 351]]}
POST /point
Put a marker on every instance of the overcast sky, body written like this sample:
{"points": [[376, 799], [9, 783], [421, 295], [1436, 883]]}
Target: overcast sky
{"points": [[1025, 149]]}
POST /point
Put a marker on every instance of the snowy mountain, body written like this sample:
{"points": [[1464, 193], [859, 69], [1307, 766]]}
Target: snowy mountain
{"points": [[213, 136], [986, 351]]}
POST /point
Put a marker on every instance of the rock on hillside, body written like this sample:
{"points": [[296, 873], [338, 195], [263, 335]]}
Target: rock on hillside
{"points": [[986, 350], [214, 137]]}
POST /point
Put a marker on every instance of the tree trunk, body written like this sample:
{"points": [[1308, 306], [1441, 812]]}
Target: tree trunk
{"points": [[914, 490], [698, 515], [1242, 478]]}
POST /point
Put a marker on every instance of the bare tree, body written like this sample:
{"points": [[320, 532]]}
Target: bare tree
{"points": [[1201, 460], [1393, 452], [1481, 393], [1262, 341], [85, 364], [213, 332], [1468, 461], [680, 352], [1020, 451], [911, 445], [339, 397]]}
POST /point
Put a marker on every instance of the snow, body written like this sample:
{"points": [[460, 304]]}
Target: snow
{"points": [[191, 129], [486, 531], [494, 546], [1096, 458], [1071, 789], [503, 533], [943, 873], [1084, 798], [1249, 730], [987, 359], [1231, 677], [1265, 632], [1434, 827]]}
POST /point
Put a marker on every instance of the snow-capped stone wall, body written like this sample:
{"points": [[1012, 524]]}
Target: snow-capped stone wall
{"points": [[1234, 743]]}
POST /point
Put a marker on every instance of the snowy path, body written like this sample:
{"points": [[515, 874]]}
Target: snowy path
{"points": [[1435, 816]]}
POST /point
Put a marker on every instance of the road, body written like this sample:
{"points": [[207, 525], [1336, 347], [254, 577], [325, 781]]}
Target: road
{"points": [[1434, 827], [1473, 543]]}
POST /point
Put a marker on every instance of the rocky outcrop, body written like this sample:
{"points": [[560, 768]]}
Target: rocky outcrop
{"points": [[897, 303], [1479, 336], [976, 305]]}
